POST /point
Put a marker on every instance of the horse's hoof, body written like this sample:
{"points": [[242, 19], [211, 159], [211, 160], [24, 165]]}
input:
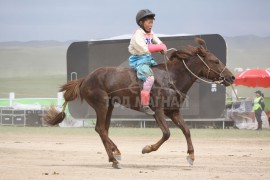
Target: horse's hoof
{"points": [[117, 157], [116, 166], [190, 161], [146, 149]]}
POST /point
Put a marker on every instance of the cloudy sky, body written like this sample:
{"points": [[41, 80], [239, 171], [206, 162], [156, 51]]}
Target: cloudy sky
{"points": [[62, 20]]}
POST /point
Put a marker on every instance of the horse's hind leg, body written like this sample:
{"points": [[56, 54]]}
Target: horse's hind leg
{"points": [[115, 150], [179, 122], [103, 133], [160, 119]]}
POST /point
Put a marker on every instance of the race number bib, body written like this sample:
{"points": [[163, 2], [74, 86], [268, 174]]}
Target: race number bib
{"points": [[148, 39]]}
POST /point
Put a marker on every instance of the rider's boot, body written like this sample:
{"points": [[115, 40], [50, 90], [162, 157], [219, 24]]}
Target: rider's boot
{"points": [[145, 98]]}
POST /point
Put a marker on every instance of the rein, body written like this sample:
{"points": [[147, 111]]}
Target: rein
{"points": [[171, 83]]}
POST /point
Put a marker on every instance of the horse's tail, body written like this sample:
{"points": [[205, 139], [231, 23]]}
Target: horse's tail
{"points": [[72, 91]]}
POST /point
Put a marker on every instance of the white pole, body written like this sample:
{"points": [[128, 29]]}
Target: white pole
{"points": [[234, 95], [59, 99], [11, 98]]}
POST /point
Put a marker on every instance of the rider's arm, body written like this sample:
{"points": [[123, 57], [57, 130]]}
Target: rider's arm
{"points": [[157, 46], [156, 40]]}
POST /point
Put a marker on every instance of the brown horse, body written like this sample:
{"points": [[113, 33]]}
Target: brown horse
{"points": [[106, 86]]}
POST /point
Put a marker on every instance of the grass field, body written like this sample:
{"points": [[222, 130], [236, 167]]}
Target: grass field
{"points": [[32, 87]]}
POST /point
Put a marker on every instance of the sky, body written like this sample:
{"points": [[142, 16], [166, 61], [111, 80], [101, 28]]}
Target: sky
{"points": [[63, 20]]}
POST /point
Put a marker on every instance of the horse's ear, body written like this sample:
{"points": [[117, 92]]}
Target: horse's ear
{"points": [[200, 41], [201, 51]]}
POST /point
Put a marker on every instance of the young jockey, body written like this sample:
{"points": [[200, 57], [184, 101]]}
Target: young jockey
{"points": [[142, 44]]}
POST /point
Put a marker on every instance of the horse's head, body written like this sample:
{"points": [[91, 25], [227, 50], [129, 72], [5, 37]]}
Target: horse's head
{"points": [[207, 64]]}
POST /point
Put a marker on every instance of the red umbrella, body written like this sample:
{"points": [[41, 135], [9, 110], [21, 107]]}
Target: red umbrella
{"points": [[253, 78]]}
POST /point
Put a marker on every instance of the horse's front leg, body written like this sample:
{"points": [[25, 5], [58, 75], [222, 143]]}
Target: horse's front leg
{"points": [[179, 122], [159, 116]]}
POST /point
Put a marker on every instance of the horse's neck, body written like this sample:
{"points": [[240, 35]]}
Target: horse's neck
{"points": [[179, 74]]}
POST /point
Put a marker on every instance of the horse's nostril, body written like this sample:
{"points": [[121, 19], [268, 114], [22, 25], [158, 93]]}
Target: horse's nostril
{"points": [[233, 78]]}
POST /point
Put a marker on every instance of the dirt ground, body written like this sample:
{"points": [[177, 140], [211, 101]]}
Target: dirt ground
{"points": [[83, 157]]}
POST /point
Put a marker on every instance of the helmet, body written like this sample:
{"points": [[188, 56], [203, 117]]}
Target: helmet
{"points": [[142, 14]]}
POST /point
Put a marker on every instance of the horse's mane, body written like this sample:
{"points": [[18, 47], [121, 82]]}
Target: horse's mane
{"points": [[189, 50]]}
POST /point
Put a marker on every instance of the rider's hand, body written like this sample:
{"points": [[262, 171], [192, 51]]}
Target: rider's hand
{"points": [[164, 49], [163, 52]]}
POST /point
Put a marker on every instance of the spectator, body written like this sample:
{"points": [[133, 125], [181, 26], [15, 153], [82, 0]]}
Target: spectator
{"points": [[258, 107]]}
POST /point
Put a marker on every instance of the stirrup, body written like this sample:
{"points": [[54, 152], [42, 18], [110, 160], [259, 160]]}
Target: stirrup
{"points": [[148, 110]]}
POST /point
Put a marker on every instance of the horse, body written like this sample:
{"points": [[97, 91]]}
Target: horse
{"points": [[106, 86]]}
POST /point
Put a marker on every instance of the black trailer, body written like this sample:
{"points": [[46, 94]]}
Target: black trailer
{"points": [[205, 101]]}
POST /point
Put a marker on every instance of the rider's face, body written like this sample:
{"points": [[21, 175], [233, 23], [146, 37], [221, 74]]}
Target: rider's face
{"points": [[148, 24]]}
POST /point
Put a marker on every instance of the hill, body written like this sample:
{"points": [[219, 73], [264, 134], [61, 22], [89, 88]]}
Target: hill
{"points": [[248, 52], [28, 65]]}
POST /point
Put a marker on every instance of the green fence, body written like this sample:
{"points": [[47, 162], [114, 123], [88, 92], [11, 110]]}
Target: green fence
{"points": [[44, 102]]}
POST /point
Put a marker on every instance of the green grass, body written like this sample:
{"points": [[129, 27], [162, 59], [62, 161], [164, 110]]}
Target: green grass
{"points": [[32, 87], [135, 132], [42, 102]]}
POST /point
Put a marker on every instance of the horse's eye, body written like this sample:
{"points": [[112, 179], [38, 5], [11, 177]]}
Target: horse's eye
{"points": [[215, 61]]}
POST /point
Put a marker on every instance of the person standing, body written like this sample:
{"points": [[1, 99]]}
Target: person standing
{"points": [[258, 107]]}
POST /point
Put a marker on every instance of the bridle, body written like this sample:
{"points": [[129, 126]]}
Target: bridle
{"points": [[221, 77]]}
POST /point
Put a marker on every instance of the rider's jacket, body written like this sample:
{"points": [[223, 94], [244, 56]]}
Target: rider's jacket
{"points": [[140, 40]]}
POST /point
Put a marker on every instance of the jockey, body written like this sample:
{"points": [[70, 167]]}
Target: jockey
{"points": [[142, 44]]}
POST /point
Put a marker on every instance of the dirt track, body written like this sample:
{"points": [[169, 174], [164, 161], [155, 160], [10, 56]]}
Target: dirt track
{"points": [[83, 157]]}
